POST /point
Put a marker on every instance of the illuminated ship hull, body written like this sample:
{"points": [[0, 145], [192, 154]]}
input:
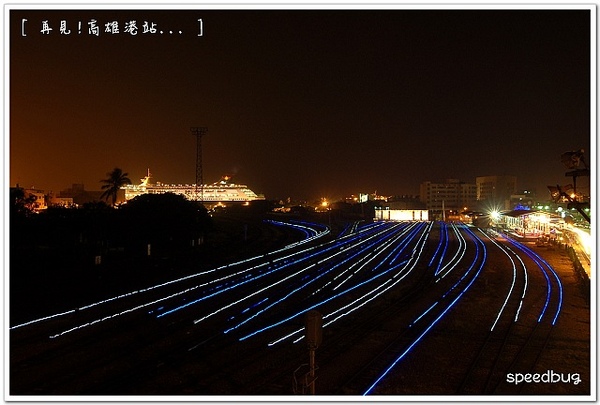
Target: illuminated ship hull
{"points": [[220, 192]]}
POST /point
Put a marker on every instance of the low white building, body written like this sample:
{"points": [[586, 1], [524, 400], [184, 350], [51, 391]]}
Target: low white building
{"points": [[386, 214]]}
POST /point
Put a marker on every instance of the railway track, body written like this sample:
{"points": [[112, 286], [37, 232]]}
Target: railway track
{"points": [[522, 328], [381, 290], [369, 376]]}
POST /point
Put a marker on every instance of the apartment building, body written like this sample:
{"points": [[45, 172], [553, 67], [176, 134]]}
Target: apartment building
{"points": [[452, 195]]}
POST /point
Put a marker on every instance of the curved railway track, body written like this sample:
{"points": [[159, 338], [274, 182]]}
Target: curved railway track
{"points": [[383, 289], [522, 328]]}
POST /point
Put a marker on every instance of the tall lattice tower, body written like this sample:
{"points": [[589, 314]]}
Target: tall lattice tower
{"points": [[199, 132]]}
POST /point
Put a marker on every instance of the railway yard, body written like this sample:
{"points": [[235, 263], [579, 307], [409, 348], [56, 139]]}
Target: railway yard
{"points": [[408, 309]]}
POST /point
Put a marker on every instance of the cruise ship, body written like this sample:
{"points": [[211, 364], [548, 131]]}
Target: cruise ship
{"points": [[223, 191]]}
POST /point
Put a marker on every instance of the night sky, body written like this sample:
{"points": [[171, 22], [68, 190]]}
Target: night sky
{"points": [[300, 103]]}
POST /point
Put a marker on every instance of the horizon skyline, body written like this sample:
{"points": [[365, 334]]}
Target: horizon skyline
{"points": [[300, 102], [333, 198]]}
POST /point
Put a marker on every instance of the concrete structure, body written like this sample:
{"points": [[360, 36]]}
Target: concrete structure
{"points": [[387, 214], [80, 195], [494, 192], [402, 210], [526, 200], [66, 202], [453, 195], [40, 198], [530, 224]]}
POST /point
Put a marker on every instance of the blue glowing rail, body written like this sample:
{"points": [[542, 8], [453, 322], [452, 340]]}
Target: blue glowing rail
{"points": [[478, 243]]}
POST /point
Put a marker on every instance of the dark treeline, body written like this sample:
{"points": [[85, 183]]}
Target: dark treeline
{"points": [[167, 221], [63, 257]]}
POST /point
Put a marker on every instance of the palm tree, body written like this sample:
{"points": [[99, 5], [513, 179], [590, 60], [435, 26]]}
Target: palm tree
{"points": [[116, 179]]}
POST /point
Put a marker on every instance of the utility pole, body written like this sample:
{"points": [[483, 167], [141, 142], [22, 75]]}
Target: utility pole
{"points": [[199, 132], [443, 212]]}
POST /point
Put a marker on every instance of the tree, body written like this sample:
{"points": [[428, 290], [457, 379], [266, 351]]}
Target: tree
{"points": [[21, 217], [164, 219], [21, 204], [116, 179]]}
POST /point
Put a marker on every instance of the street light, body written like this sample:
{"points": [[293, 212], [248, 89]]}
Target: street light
{"points": [[495, 215]]}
